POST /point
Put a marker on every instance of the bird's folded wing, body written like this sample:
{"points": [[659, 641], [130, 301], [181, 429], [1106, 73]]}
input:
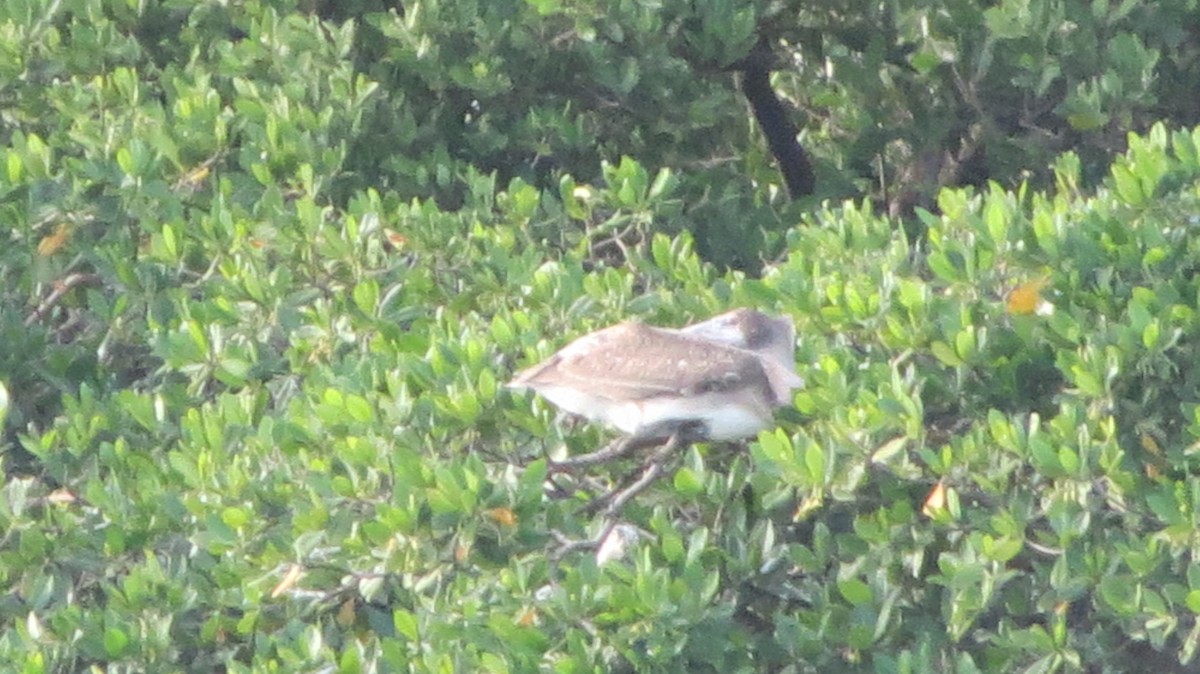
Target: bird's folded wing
{"points": [[632, 361]]}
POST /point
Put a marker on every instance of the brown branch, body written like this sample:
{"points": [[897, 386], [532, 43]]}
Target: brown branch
{"points": [[567, 545], [651, 469], [774, 122], [61, 288], [614, 500], [614, 450]]}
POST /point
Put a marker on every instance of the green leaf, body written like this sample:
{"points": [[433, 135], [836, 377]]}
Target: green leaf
{"points": [[664, 182], [366, 297], [814, 461], [4, 404], [233, 371], [235, 518], [889, 450], [545, 7], [687, 483], [964, 344], [943, 268], [15, 168], [855, 591], [1002, 550], [35, 663], [1119, 592], [115, 641], [1150, 334], [406, 624], [945, 353], [1128, 186], [1193, 601], [359, 408], [1069, 460], [1087, 382]]}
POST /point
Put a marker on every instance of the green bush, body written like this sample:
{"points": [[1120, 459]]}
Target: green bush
{"points": [[253, 348]]}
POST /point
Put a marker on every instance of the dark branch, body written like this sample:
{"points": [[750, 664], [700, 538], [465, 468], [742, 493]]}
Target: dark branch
{"points": [[773, 119]]}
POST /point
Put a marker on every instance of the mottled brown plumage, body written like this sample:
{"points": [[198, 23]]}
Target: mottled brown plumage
{"points": [[723, 376]]}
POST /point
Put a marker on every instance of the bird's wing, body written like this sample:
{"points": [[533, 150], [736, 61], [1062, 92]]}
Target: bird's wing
{"points": [[632, 361]]}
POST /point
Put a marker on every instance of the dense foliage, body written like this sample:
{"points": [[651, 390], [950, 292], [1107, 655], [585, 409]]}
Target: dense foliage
{"points": [[268, 266]]}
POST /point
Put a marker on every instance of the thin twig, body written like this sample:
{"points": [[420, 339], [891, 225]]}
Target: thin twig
{"points": [[651, 469], [60, 288], [582, 483], [651, 473], [567, 546], [614, 500], [611, 452]]}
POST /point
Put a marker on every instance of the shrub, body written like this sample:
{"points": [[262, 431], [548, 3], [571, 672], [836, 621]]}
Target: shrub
{"points": [[252, 414]]}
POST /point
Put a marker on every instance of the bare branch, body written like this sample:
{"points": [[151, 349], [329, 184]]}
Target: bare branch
{"points": [[61, 288]]}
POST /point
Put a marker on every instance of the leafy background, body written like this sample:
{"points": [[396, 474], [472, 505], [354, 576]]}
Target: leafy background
{"points": [[269, 263]]}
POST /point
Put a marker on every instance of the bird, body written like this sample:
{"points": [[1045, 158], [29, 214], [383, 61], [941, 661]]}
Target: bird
{"points": [[717, 380]]}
